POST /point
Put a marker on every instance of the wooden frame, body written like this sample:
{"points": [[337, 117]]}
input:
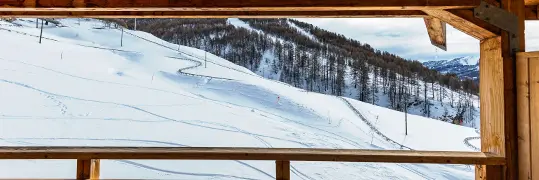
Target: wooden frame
{"points": [[498, 88]]}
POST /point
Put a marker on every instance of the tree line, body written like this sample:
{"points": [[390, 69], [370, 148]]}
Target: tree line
{"points": [[328, 63]]}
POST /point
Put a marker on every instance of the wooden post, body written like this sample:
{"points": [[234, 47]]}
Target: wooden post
{"points": [[282, 170], [491, 105], [87, 169]]}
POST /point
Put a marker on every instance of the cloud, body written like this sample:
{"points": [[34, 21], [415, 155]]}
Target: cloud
{"points": [[408, 38]]}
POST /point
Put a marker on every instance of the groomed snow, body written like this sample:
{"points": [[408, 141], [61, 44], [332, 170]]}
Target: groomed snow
{"points": [[81, 88]]}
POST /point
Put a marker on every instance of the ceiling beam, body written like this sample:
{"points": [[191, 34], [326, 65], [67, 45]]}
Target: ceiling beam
{"points": [[531, 2], [532, 12], [437, 32], [465, 21], [214, 14], [232, 5]]}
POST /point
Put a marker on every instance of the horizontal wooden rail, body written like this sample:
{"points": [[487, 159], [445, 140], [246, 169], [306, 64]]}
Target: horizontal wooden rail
{"points": [[223, 153]]}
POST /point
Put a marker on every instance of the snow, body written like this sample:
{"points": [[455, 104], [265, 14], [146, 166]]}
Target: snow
{"points": [[80, 87], [301, 31]]}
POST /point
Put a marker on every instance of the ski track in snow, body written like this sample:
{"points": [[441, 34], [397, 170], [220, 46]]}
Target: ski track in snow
{"points": [[224, 127], [470, 145], [18, 141], [404, 166]]}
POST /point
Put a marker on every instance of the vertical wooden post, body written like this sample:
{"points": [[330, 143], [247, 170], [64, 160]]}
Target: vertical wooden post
{"points": [[498, 98], [282, 170], [95, 169], [492, 110], [87, 169]]}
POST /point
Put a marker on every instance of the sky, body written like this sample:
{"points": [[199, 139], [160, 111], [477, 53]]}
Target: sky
{"points": [[408, 38]]}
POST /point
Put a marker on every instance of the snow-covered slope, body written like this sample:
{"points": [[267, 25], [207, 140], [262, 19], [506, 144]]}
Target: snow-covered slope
{"points": [[464, 67], [81, 88]]}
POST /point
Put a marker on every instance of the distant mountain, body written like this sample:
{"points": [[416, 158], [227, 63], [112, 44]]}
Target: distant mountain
{"points": [[463, 67]]}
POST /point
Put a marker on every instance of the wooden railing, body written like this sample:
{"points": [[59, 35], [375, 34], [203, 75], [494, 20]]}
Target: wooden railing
{"points": [[88, 157]]}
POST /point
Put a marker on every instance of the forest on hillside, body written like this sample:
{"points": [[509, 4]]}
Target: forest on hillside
{"points": [[324, 62]]}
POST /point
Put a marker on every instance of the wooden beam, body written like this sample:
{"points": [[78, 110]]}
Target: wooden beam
{"points": [[532, 12], [492, 111], [282, 170], [531, 2], [465, 21], [284, 154], [233, 5], [437, 32], [213, 14]]}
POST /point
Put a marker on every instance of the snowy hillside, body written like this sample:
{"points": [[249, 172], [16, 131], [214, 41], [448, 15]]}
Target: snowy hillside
{"points": [[464, 67], [80, 87], [307, 57]]}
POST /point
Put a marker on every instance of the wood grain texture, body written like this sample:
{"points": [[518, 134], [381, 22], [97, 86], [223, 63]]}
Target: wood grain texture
{"points": [[284, 154], [523, 116], [95, 168], [534, 115], [465, 21], [213, 14], [437, 32], [239, 5], [491, 104]]}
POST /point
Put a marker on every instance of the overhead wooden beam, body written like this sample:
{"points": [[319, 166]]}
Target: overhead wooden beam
{"points": [[532, 12], [234, 5], [437, 32], [214, 14], [531, 2], [465, 21], [283, 154]]}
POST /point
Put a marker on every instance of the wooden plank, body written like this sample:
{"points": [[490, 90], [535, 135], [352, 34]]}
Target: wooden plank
{"points": [[213, 14], [523, 117], [234, 5], [437, 32], [83, 168], [282, 170], [465, 21], [534, 116], [222, 153]]}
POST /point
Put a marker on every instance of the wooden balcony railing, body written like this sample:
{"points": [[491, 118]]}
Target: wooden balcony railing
{"points": [[88, 157]]}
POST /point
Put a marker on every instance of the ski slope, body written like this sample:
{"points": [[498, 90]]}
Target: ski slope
{"points": [[79, 87]]}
